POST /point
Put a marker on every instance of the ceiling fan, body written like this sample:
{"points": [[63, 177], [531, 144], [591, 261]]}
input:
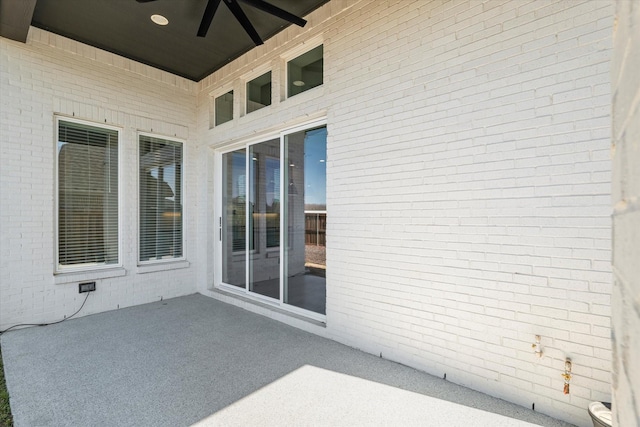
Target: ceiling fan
{"points": [[234, 7]]}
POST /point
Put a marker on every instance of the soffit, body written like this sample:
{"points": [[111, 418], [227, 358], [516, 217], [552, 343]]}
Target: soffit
{"points": [[124, 27]]}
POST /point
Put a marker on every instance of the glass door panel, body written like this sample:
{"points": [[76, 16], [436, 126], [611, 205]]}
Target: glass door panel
{"points": [[232, 227], [264, 218], [305, 216]]}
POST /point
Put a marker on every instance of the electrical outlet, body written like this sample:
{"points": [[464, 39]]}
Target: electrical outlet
{"points": [[86, 287]]}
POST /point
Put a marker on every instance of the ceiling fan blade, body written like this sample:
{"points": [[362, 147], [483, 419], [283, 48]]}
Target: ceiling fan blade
{"points": [[235, 8], [276, 11], [209, 12]]}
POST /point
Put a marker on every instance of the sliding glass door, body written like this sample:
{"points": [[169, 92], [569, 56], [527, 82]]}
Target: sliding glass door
{"points": [[305, 211], [264, 220], [273, 219], [232, 227]]}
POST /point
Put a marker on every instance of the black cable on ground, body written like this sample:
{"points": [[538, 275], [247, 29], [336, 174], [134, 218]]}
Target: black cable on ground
{"points": [[51, 323]]}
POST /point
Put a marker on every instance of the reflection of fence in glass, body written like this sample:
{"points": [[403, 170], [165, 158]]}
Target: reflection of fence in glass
{"points": [[315, 228]]}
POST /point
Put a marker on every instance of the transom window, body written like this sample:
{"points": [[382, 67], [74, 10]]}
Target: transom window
{"points": [[259, 92], [223, 106], [305, 72]]}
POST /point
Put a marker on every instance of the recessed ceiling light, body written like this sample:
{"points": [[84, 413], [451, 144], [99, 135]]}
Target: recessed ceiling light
{"points": [[159, 19], [298, 83]]}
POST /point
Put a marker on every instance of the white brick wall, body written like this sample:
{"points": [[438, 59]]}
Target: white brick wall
{"points": [[468, 186], [625, 82], [53, 75]]}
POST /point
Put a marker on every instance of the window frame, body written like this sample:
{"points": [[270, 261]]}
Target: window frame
{"points": [[244, 239], [294, 54], [245, 143], [139, 262], [219, 94], [248, 78], [58, 268]]}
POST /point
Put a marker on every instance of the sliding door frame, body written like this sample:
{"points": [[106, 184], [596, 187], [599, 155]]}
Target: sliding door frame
{"points": [[218, 211]]}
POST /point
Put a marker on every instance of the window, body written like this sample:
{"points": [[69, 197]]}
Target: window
{"points": [[259, 92], [305, 72], [305, 210], [224, 108], [160, 185], [87, 192]]}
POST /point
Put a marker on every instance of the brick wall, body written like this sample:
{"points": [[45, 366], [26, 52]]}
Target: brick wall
{"points": [[468, 186], [53, 75], [625, 82]]}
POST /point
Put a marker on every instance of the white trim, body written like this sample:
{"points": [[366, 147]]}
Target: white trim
{"points": [[57, 269], [217, 218], [247, 231], [56, 191], [245, 93], [287, 317], [247, 210], [249, 76], [83, 276], [284, 243], [160, 136], [258, 298], [183, 205], [256, 72], [306, 313], [221, 90], [303, 48], [319, 122], [299, 123], [169, 264], [292, 54], [233, 289], [234, 108], [263, 138], [263, 298]]}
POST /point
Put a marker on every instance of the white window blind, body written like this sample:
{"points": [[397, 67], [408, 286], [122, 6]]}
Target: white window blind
{"points": [[87, 195], [160, 199]]}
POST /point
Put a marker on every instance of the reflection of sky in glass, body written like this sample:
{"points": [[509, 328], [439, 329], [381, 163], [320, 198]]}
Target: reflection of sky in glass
{"points": [[315, 167], [315, 171]]}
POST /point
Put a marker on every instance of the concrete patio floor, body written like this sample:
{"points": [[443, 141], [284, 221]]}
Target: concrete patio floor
{"points": [[195, 360]]}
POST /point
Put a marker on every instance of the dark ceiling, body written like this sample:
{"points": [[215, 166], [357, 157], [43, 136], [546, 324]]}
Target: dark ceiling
{"points": [[124, 27]]}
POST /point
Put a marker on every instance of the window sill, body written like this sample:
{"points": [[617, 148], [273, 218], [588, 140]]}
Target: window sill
{"points": [[82, 276], [162, 266]]}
